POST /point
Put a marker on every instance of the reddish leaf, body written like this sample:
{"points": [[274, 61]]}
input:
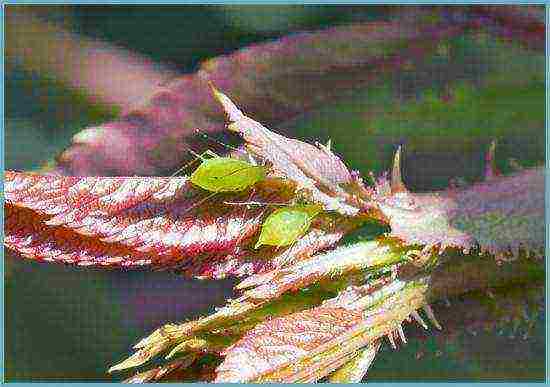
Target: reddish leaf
{"points": [[250, 261], [308, 345], [128, 221], [314, 169], [26, 233], [136, 221], [500, 215], [281, 341], [293, 158]]}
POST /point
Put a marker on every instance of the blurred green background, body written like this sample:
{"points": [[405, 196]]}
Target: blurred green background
{"points": [[64, 323]]}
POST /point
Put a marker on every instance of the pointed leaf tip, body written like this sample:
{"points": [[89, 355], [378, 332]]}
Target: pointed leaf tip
{"points": [[232, 111]]}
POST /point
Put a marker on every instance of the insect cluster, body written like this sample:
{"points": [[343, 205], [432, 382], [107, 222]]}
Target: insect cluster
{"points": [[225, 174]]}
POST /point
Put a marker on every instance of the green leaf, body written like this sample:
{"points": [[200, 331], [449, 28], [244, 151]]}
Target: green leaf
{"points": [[224, 174], [284, 226]]}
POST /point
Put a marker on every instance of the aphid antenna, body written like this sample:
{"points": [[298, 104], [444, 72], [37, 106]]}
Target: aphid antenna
{"points": [[249, 156], [197, 157], [212, 139], [256, 203], [233, 172]]}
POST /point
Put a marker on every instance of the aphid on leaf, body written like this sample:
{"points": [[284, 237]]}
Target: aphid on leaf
{"points": [[284, 226], [225, 174]]}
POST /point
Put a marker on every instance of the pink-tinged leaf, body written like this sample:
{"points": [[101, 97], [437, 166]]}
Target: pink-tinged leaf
{"points": [[308, 345], [128, 221], [315, 169], [501, 215], [247, 261], [239, 309], [26, 233], [268, 79], [504, 215], [294, 158], [337, 262], [282, 341]]}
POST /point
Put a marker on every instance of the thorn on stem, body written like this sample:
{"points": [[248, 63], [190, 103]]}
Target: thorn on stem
{"points": [[430, 313], [389, 334], [401, 333], [419, 320], [396, 183], [491, 170]]}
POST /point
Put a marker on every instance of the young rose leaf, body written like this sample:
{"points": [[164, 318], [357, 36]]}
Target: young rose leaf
{"points": [[285, 225], [286, 154], [217, 331], [241, 309], [27, 234], [248, 262], [502, 216], [308, 345], [338, 262], [129, 221], [386, 302], [309, 167], [224, 174], [281, 341]]}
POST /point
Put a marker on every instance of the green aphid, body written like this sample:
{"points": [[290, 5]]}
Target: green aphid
{"points": [[224, 174], [284, 226]]}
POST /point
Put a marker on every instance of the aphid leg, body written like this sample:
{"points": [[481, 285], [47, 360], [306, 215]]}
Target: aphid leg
{"points": [[199, 202], [201, 156], [250, 157], [246, 204], [255, 203]]}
